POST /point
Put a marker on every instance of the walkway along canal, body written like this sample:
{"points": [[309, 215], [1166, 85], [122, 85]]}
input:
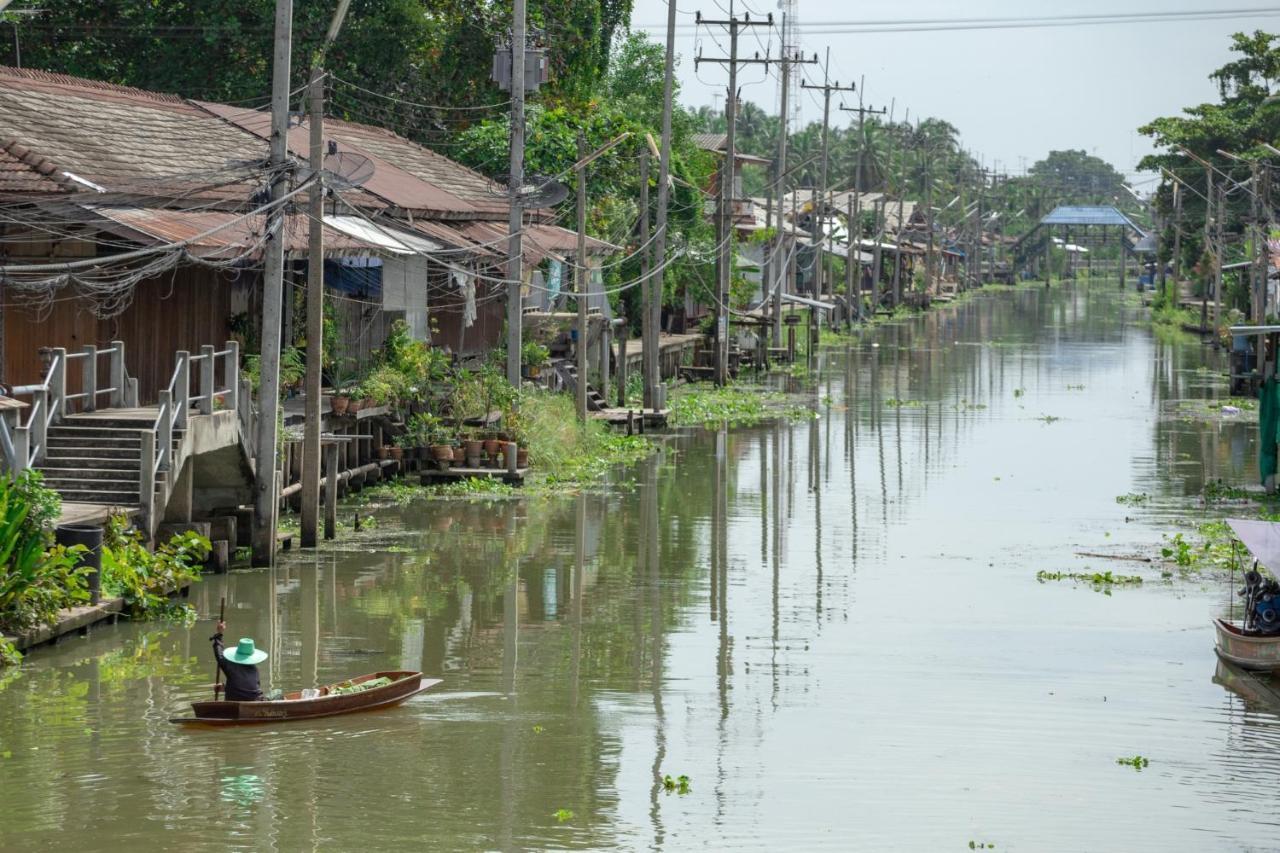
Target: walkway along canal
{"points": [[832, 626]]}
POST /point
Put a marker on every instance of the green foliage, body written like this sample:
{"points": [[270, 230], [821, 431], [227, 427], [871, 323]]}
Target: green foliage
{"points": [[1133, 499], [679, 785], [426, 429], [1178, 550], [1100, 581], [732, 405], [36, 580], [534, 354], [562, 815], [567, 451], [146, 579], [9, 655], [1137, 762]]}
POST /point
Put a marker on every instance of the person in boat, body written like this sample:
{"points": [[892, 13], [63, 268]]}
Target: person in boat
{"points": [[239, 666]]}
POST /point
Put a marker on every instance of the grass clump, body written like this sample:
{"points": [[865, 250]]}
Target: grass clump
{"points": [[564, 449], [1137, 762]]}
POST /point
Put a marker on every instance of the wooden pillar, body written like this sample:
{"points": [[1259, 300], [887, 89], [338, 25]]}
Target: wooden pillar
{"points": [[331, 490]]}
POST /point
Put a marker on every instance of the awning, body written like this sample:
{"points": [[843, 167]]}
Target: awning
{"points": [[386, 238], [812, 303], [1262, 538]]}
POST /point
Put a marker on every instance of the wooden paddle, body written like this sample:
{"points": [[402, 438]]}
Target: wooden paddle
{"points": [[217, 674]]}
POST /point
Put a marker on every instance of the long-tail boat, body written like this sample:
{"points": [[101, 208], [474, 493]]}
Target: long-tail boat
{"points": [[1253, 642], [345, 697]]}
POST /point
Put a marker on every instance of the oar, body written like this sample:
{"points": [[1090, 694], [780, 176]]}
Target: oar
{"points": [[217, 674]]}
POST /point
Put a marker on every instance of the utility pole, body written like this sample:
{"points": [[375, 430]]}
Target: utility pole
{"points": [[862, 112], [1217, 259], [580, 288], [1208, 244], [1177, 241], [725, 229], [780, 190], [266, 489], [315, 320], [646, 284], [820, 206], [653, 395], [315, 295], [1259, 271], [515, 182]]}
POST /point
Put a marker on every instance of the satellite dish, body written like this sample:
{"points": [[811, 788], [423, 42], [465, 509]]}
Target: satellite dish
{"points": [[347, 170], [542, 191]]}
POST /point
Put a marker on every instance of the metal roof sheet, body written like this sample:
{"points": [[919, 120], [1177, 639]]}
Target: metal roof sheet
{"points": [[236, 234], [1084, 215]]}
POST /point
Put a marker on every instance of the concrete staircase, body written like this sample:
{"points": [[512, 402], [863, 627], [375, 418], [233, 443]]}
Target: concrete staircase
{"points": [[96, 458]]}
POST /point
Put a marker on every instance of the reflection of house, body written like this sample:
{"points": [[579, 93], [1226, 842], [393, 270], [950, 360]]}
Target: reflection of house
{"points": [[90, 172]]}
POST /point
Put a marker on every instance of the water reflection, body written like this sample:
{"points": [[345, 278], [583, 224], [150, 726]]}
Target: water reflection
{"points": [[832, 626]]}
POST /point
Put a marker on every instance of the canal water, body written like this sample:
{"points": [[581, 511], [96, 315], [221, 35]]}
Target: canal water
{"points": [[832, 627]]}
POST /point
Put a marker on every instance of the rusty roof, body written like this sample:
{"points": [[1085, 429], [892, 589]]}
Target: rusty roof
{"points": [[404, 173], [21, 172], [236, 235]]}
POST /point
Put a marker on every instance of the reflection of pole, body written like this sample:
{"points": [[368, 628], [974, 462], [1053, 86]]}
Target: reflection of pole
{"points": [[310, 651], [579, 568], [580, 291], [650, 534], [721, 536]]}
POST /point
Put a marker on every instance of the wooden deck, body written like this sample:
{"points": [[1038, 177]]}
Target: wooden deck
{"points": [[643, 417]]}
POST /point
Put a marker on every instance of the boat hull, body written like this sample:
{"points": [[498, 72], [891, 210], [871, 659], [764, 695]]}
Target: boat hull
{"points": [[292, 708], [1248, 651]]}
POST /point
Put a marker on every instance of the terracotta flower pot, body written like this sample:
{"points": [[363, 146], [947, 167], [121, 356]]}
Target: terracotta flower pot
{"points": [[397, 453], [442, 453], [339, 403], [490, 447], [522, 457], [472, 447], [385, 452]]}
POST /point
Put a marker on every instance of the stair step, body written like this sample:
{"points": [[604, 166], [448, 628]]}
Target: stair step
{"points": [[108, 498], [96, 461], [55, 451], [54, 476], [63, 440]]}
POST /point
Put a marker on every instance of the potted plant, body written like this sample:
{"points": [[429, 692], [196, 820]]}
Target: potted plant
{"points": [[435, 435], [533, 357], [472, 448]]}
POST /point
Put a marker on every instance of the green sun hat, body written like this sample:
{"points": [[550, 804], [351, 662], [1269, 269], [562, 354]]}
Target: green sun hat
{"points": [[244, 652]]}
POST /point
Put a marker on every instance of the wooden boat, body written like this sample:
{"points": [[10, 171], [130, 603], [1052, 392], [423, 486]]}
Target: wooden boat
{"points": [[293, 707], [1247, 649]]}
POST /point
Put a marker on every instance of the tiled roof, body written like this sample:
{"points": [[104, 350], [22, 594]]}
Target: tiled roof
{"points": [[21, 172], [121, 139]]}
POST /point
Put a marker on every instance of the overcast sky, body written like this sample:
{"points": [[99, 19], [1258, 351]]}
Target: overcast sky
{"points": [[1015, 94]]}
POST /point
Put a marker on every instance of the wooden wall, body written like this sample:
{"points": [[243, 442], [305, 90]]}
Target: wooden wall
{"points": [[183, 309]]}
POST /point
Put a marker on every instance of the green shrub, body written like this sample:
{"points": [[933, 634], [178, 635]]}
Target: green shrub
{"points": [[37, 579], [145, 579]]}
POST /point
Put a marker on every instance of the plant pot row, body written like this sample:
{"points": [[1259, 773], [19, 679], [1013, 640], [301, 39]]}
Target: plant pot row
{"points": [[341, 404], [473, 454]]}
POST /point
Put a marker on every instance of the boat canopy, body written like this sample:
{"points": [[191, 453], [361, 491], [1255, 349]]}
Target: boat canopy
{"points": [[1262, 538]]}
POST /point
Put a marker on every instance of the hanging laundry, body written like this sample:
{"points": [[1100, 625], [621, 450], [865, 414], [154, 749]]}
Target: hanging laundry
{"points": [[466, 282], [553, 280]]}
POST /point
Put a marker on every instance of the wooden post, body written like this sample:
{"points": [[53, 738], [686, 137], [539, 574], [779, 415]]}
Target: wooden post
{"points": [[119, 380], [511, 459], [90, 389], [206, 379], [622, 362], [647, 332], [852, 267], [331, 490], [606, 345]]}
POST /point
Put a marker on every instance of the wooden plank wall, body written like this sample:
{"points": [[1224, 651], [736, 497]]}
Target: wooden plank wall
{"points": [[184, 309]]}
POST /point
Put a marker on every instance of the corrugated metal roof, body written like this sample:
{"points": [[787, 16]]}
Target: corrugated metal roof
{"points": [[233, 238], [1083, 215]]}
